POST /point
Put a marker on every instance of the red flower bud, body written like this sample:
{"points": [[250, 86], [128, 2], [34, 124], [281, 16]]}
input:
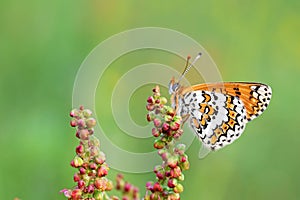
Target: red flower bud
{"points": [[90, 188], [82, 170], [175, 126], [175, 172], [157, 187], [172, 162], [156, 89], [149, 119], [157, 122], [73, 123], [76, 194], [165, 126], [93, 166], [76, 177], [160, 175], [73, 113], [81, 184], [172, 183], [127, 187], [183, 158], [150, 100], [79, 149], [81, 123], [149, 186], [102, 171], [72, 163], [155, 132], [99, 184], [100, 159]]}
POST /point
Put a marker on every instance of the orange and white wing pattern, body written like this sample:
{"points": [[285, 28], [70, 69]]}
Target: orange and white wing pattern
{"points": [[219, 112], [255, 96]]}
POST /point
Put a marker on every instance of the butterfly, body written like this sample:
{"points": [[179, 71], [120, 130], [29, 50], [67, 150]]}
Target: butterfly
{"points": [[218, 112]]}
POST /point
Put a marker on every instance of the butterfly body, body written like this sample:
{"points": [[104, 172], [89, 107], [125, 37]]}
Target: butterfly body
{"points": [[218, 112]]}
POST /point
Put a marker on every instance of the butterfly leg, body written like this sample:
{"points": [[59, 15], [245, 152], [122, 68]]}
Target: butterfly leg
{"points": [[185, 118], [176, 102]]}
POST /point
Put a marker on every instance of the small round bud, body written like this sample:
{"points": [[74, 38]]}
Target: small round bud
{"points": [[73, 122], [178, 188], [149, 117], [150, 107], [172, 183], [90, 188], [175, 172], [185, 165], [90, 122], [183, 158], [82, 170], [157, 122], [76, 177], [155, 132], [163, 100], [175, 126], [160, 175], [93, 165], [168, 118], [150, 100], [100, 158], [102, 171], [165, 126], [83, 134], [76, 194], [127, 187], [172, 161], [157, 187], [109, 185], [87, 113], [181, 177], [81, 123], [77, 161], [149, 186], [73, 113], [79, 149], [81, 184], [158, 144]]}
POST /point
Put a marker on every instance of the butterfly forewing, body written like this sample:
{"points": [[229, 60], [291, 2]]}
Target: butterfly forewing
{"points": [[255, 96]]}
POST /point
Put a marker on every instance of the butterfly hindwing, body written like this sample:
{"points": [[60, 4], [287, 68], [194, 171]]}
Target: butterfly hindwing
{"points": [[218, 119]]}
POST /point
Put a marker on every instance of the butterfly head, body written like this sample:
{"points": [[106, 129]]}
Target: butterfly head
{"points": [[173, 86]]}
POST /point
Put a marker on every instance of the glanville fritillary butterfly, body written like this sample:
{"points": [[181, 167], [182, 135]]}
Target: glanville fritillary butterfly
{"points": [[218, 112]]}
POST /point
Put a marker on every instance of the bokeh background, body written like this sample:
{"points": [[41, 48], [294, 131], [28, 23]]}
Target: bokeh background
{"points": [[43, 43]]}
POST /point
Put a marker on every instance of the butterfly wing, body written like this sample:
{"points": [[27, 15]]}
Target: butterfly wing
{"points": [[255, 96], [218, 119]]}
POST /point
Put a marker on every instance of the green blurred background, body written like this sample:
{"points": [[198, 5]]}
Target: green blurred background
{"points": [[43, 43]]}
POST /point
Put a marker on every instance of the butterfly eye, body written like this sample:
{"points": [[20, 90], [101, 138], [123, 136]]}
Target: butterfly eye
{"points": [[173, 87]]}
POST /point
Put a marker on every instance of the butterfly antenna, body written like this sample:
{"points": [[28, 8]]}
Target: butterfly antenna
{"points": [[188, 67]]}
